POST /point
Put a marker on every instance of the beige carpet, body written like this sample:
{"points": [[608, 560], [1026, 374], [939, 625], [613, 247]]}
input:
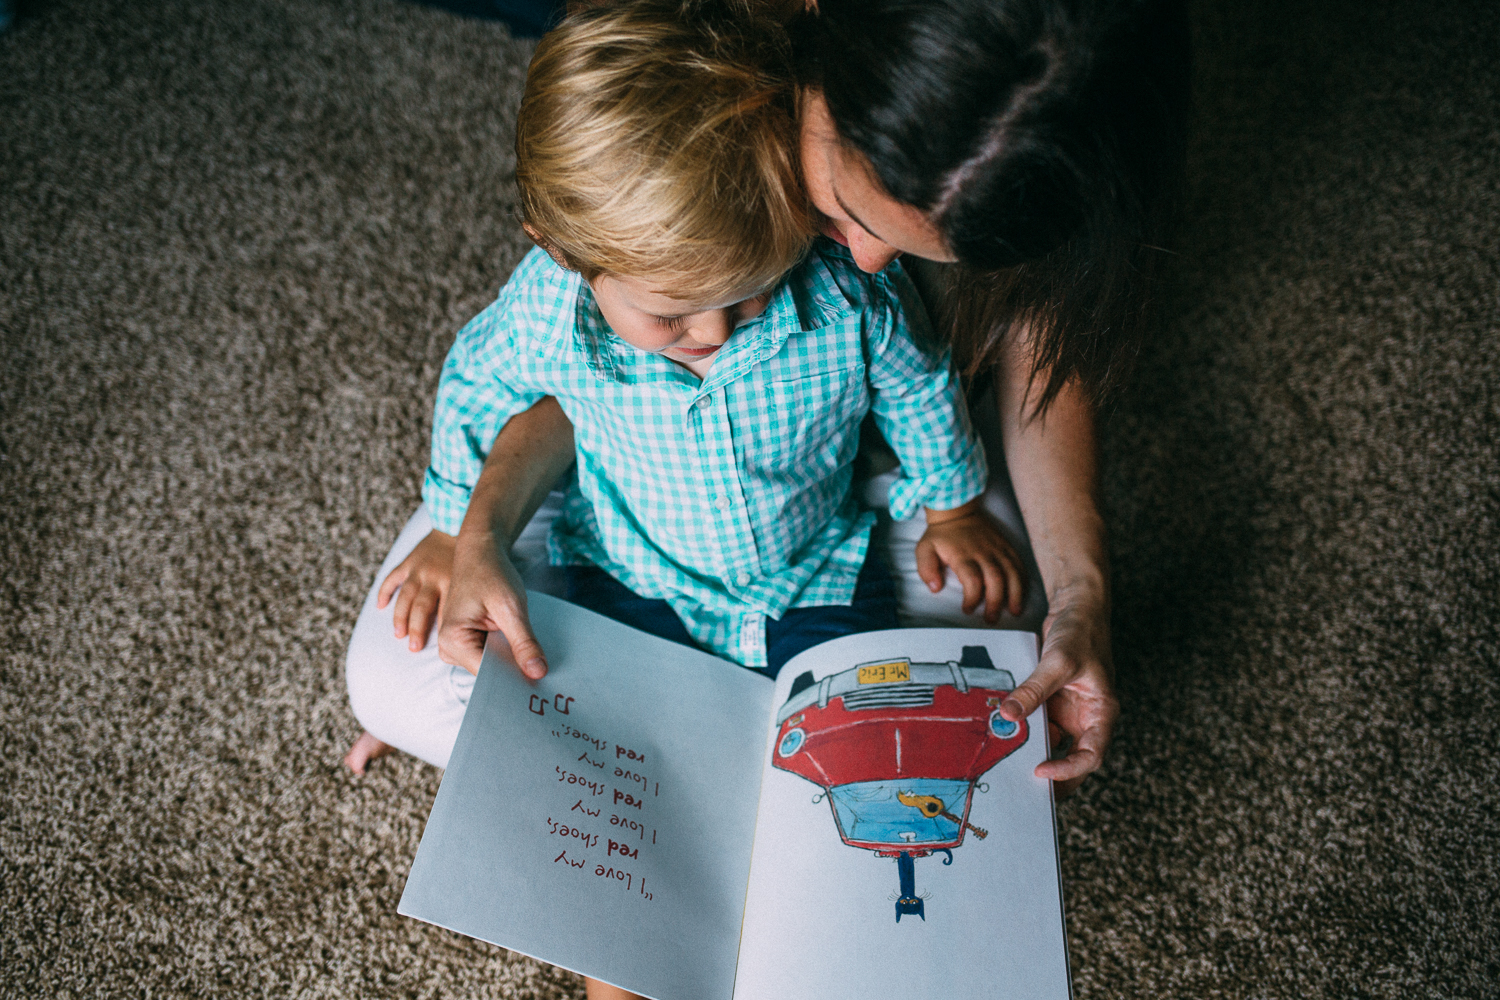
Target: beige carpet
{"points": [[235, 241]]}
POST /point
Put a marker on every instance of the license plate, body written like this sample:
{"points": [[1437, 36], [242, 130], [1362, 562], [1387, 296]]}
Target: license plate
{"points": [[885, 673]]}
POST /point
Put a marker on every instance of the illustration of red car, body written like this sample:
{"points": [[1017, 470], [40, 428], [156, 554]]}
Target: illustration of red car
{"points": [[898, 748]]}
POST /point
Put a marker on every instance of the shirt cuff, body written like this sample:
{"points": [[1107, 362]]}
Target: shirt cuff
{"points": [[951, 486], [446, 501]]}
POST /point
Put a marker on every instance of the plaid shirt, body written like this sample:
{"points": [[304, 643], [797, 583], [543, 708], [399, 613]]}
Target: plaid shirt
{"points": [[728, 497]]}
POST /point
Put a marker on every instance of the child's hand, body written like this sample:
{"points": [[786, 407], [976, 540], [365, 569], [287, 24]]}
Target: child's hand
{"points": [[423, 577], [967, 540]]}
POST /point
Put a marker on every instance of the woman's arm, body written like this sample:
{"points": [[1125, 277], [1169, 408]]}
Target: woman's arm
{"points": [[1053, 467], [531, 451]]}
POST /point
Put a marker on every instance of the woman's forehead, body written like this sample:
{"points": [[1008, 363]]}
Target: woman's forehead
{"points": [[843, 186]]}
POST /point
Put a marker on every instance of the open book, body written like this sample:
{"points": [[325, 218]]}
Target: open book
{"points": [[654, 817]]}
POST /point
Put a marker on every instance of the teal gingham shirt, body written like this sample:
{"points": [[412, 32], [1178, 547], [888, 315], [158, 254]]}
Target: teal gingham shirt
{"points": [[731, 497]]}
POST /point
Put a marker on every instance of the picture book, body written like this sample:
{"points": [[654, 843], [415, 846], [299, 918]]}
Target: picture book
{"points": [[654, 817]]}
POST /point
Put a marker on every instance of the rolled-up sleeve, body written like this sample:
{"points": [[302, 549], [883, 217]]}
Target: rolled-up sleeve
{"points": [[919, 406], [474, 401]]}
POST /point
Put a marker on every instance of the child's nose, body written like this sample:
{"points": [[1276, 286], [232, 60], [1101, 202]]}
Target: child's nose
{"points": [[712, 328]]}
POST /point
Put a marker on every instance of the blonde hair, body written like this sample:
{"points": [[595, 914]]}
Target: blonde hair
{"points": [[657, 139]]}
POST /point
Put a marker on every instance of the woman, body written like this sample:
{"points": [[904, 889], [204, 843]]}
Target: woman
{"points": [[1035, 144], [1029, 144]]}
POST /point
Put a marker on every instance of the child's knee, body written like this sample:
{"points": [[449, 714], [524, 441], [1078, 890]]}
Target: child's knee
{"points": [[413, 701], [376, 671], [370, 697]]}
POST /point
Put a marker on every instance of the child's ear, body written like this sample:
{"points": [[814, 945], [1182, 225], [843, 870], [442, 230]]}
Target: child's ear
{"points": [[552, 251]]}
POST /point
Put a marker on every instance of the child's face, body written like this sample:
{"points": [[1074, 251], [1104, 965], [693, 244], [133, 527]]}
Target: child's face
{"points": [[681, 330]]}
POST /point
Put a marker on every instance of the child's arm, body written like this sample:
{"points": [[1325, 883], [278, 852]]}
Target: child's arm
{"points": [[477, 487], [471, 406], [919, 406], [423, 578], [967, 540]]}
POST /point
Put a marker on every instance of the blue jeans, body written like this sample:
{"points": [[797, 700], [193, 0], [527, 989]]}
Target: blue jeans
{"points": [[872, 608]]}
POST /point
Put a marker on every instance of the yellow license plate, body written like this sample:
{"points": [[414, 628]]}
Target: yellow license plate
{"points": [[885, 673]]}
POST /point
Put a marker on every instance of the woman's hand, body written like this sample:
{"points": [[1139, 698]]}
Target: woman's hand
{"points": [[487, 596], [531, 451], [1052, 461], [1075, 679], [423, 578]]}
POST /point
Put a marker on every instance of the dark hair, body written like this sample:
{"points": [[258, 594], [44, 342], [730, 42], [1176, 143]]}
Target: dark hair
{"points": [[1045, 140]]}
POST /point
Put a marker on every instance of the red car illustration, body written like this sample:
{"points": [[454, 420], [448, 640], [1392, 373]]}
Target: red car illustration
{"points": [[898, 748]]}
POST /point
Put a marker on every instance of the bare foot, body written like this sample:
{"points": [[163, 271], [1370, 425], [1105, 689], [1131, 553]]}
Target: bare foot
{"points": [[364, 750]]}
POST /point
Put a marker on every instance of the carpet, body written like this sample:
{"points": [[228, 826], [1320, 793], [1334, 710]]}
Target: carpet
{"points": [[236, 240]]}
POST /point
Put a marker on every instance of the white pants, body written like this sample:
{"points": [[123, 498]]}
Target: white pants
{"points": [[415, 701]]}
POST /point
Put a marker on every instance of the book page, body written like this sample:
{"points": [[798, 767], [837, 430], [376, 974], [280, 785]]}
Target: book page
{"points": [[904, 847], [601, 818]]}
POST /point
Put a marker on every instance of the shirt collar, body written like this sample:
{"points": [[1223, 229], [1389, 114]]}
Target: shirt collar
{"points": [[807, 298]]}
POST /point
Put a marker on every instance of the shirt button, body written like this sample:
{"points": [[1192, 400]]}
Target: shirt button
{"points": [[722, 503], [743, 579]]}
